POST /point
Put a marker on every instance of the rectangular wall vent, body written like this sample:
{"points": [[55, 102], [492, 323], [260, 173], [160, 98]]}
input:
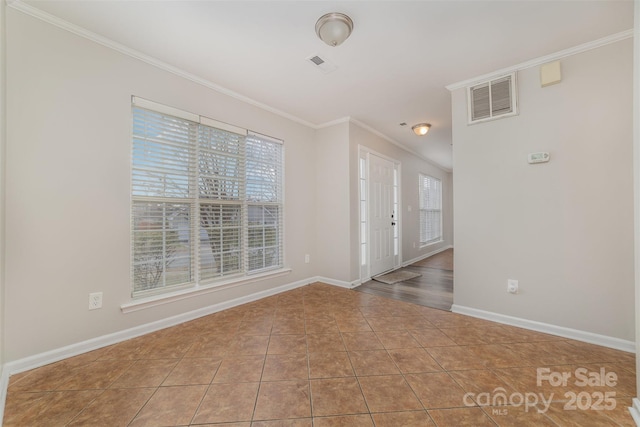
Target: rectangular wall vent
{"points": [[493, 99]]}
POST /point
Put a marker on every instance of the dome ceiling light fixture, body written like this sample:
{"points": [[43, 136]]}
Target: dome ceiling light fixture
{"points": [[334, 28], [421, 128]]}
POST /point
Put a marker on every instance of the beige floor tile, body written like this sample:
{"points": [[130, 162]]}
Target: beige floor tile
{"points": [[282, 400], [431, 338], [278, 367], [518, 416], [353, 325], [145, 373], [287, 344], [253, 327], [437, 390], [481, 382], [344, 421], [455, 358], [129, 349], [498, 356], [330, 365], [296, 422], [386, 323], [465, 336], [289, 326], [620, 413], [170, 406], [247, 345], [461, 417], [412, 360], [325, 343], [404, 419], [225, 403], [45, 378], [47, 409], [361, 341], [210, 346], [240, 369], [337, 396], [193, 371], [388, 394], [321, 326], [113, 407], [168, 347], [397, 339], [372, 362], [578, 418], [96, 375]]}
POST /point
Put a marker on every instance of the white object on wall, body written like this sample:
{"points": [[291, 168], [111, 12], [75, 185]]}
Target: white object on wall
{"points": [[540, 157], [550, 73]]}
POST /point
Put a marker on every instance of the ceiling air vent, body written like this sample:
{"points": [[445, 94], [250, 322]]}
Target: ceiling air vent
{"points": [[493, 99], [321, 64]]}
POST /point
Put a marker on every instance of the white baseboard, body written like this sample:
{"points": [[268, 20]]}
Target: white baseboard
{"points": [[35, 361], [427, 255], [340, 283], [603, 340], [4, 384], [41, 359], [635, 411]]}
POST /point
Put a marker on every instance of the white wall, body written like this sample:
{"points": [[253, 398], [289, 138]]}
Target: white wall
{"points": [[636, 180], [564, 229], [68, 185], [3, 135], [332, 205]]}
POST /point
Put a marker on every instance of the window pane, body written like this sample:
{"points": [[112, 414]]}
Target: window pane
{"points": [[161, 245], [430, 195], [263, 237], [263, 170], [219, 164], [220, 239], [163, 155]]}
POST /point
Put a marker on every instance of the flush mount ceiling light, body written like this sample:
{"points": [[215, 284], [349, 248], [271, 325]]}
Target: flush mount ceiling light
{"points": [[334, 28], [421, 128]]}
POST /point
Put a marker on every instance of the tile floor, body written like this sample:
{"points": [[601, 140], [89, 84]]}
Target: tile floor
{"points": [[325, 356]]}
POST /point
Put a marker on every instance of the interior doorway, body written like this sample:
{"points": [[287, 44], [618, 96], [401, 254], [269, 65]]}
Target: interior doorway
{"points": [[380, 220]]}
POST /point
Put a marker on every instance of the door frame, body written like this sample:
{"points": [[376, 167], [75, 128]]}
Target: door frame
{"points": [[364, 232]]}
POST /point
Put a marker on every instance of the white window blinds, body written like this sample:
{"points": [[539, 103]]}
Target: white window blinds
{"points": [[264, 198], [430, 190], [206, 200]]}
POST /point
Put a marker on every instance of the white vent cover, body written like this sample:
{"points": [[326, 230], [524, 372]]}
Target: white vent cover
{"points": [[321, 64], [493, 99]]}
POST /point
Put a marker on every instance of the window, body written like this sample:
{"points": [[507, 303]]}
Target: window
{"points": [[206, 200], [430, 190]]}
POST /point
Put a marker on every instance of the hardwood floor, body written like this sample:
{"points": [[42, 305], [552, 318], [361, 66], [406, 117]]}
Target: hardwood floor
{"points": [[434, 288]]}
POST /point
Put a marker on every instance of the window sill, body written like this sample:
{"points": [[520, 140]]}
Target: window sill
{"points": [[198, 290]]}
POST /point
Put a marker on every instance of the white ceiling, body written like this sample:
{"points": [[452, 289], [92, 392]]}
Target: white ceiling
{"points": [[393, 68]]}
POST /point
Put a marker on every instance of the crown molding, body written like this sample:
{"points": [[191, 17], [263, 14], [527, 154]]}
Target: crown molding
{"points": [[111, 44], [104, 41], [623, 35]]}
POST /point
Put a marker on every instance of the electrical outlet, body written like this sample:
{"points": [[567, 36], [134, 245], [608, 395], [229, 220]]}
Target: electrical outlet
{"points": [[307, 259], [95, 300], [512, 286]]}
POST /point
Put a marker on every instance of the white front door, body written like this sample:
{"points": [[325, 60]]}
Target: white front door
{"points": [[381, 216]]}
